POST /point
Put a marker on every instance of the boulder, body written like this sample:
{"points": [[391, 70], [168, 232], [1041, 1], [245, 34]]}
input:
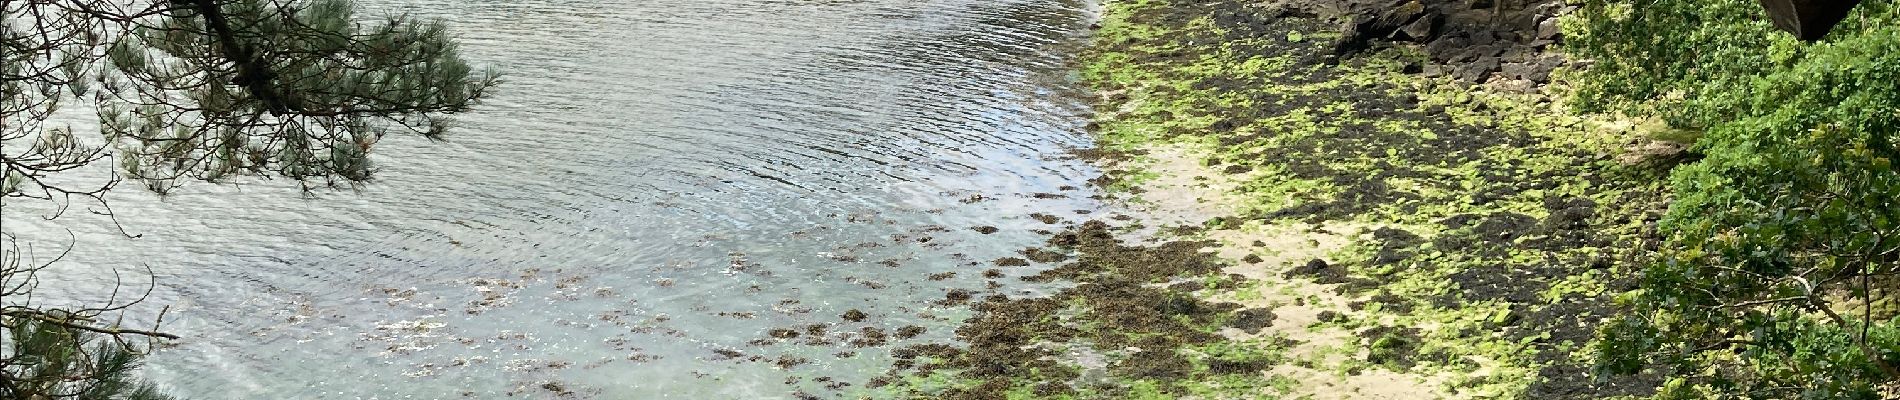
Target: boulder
{"points": [[1371, 23], [1537, 69], [1476, 71], [1520, 70], [1548, 30], [1420, 30], [1476, 52]]}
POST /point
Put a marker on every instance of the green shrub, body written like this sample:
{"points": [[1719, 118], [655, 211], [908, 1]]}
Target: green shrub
{"points": [[1778, 236]]}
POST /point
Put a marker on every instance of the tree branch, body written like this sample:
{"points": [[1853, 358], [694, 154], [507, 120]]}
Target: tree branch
{"points": [[38, 315]]}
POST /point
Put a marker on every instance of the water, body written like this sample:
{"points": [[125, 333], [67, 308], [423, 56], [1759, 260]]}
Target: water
{"points": [[655, 181]]}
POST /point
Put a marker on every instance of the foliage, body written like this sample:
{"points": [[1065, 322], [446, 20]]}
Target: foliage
{"points": [[47, 361], [1782, 236], [204, 89]]}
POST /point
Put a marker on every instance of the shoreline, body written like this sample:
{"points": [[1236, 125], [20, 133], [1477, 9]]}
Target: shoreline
{"points": [[1373, 233], [1472, 259]]}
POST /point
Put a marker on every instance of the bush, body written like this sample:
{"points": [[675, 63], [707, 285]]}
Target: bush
{"points": [[1781, 237]]}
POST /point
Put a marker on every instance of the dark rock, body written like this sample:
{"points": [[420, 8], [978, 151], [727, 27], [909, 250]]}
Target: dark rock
{"points": [[1479, 38], [1446, 45], [1516, 70], [1402, 15], [1537, 69], [1477, 52], [1421, 29], [1516, 52], [1370, 21], [1518, 23], [1550, 62], [1476, 71]]}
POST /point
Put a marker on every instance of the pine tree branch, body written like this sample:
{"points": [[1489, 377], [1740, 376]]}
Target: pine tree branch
{"points": [[69, 323], [253, 73]]}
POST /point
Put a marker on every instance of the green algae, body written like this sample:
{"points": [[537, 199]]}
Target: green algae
{"points": [[1506, 225], [1517, 213]]}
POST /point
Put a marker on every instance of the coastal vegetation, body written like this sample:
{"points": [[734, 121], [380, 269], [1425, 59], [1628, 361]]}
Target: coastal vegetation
{"points": [[1782, 244], [1698, 206]]}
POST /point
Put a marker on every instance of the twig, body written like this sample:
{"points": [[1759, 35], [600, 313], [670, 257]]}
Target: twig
{"points": [[67, 323]]}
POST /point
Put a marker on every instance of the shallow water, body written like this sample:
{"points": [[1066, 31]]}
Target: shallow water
{"points": [[655, 181]]}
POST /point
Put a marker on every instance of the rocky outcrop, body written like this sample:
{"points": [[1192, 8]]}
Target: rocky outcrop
{"points": [[1472, 40]]}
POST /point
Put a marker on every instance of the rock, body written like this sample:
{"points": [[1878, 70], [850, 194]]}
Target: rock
{"points": [[1482, 38], [1551, 9], [1368, 22], [1482, 4], [1546, 64], [1476, 71], [1548, 30], [1477, 52], [1536, 69], [1420, 30], [1517, 86], [1515, 52], [1514, 70], [1351, 40], [1445, 46], [1404, 13], [1521, 70]]}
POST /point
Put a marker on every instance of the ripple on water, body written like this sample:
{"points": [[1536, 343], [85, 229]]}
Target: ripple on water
{"points": [[658, 187]]}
